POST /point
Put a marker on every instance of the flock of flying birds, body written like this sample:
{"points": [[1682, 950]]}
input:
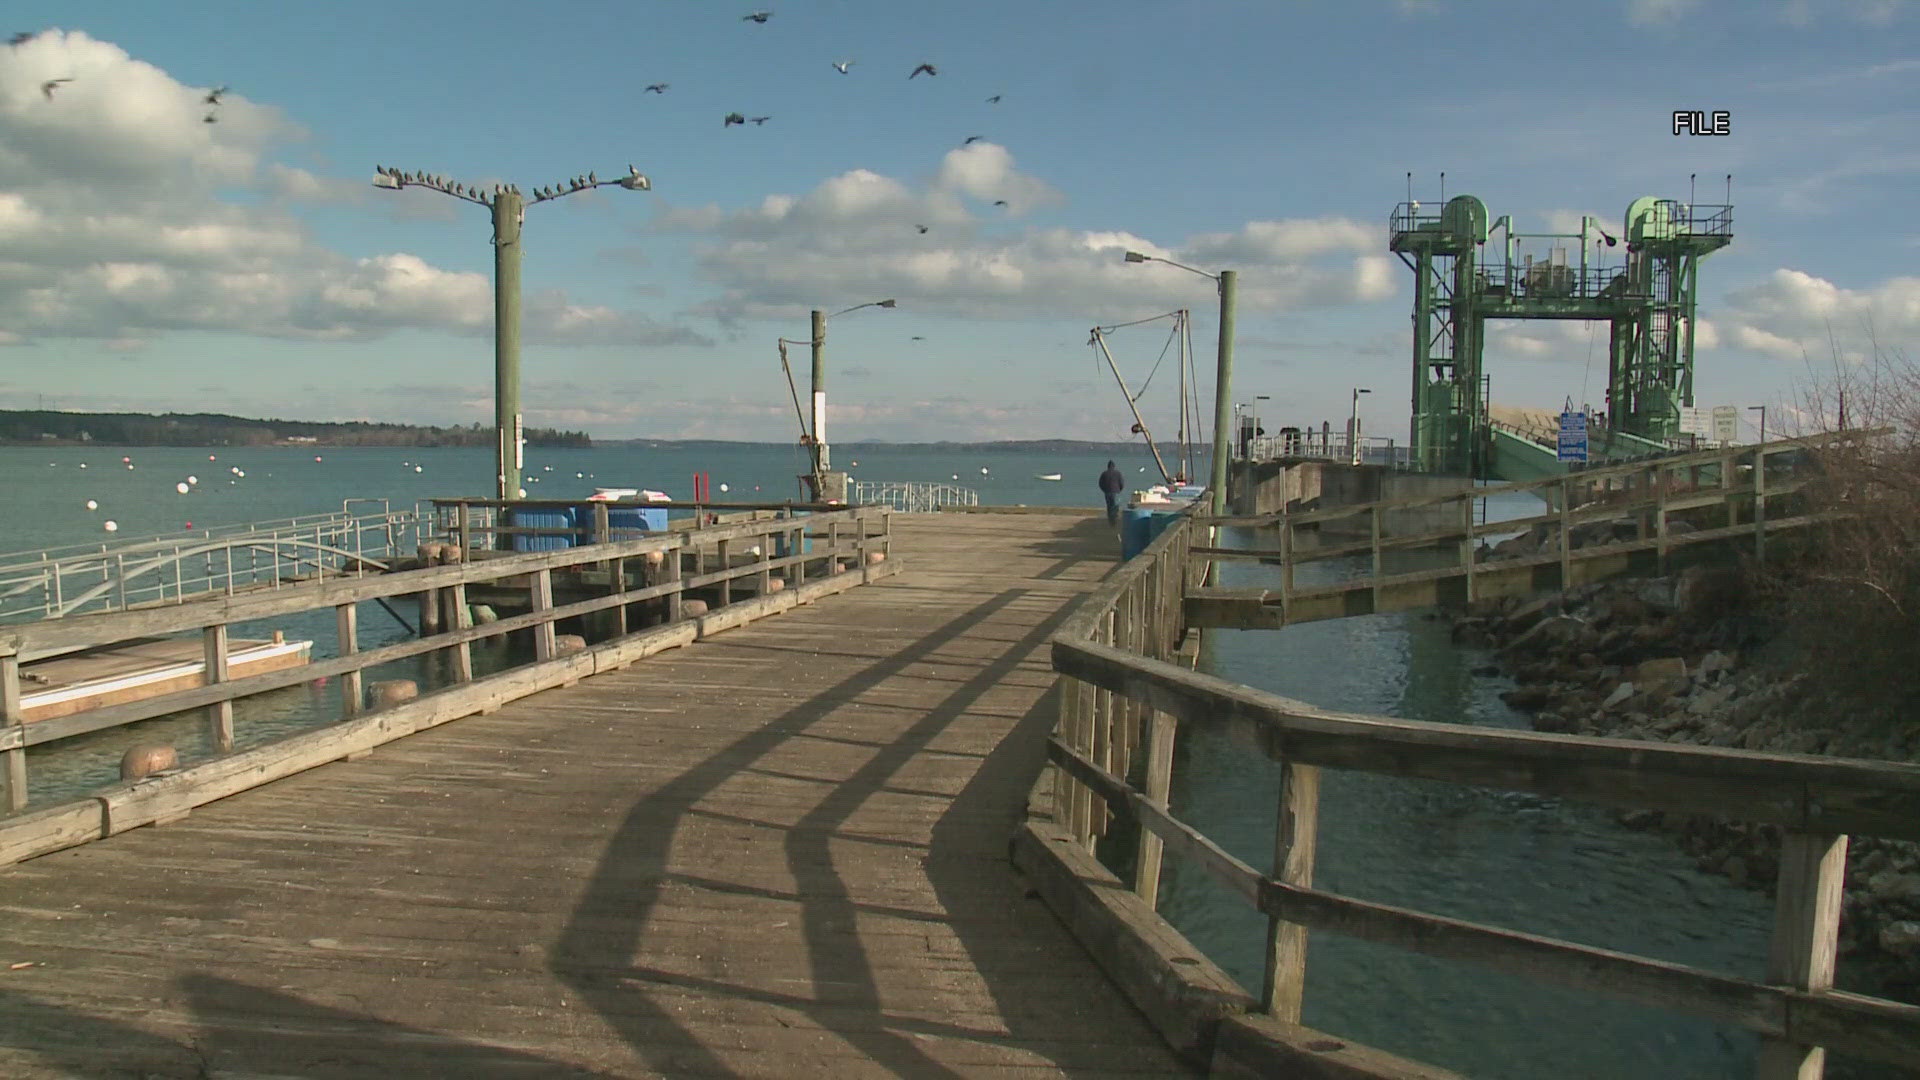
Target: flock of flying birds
{"points": [[212, 100]]}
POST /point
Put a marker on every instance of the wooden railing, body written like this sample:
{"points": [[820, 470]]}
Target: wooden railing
{"points": [[673, 565], [1120, 693], [1722, 495]]}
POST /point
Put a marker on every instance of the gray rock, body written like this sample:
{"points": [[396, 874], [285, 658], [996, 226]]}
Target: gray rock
{"points": [[1620, 694], [1715, 661], [1901, 938], [1709, 702], [1892, 885]]}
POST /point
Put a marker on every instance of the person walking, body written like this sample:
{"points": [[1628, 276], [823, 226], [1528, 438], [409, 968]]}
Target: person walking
{"points": [[1112, 483]]}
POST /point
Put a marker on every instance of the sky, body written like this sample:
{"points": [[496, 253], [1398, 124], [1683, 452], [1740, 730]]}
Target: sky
{"points": [[153, 261]]}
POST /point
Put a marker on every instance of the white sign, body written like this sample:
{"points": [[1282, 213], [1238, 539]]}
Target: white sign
{"points": [[1726, 423], [1696, 422]]}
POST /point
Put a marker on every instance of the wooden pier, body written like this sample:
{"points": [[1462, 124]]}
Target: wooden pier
{"points": [[778, 851]]}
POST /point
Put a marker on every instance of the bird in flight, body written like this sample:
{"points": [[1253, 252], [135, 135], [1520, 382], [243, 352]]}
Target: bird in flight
{"points": [[994, 100], [999, 202], [971, 139], [928, 68], [758, 16], [22, 38], [841, 66], [656, 88], [210, 119], [760, 119], [734, 118], [917, 337], [51, 85], [922, 228], [214, 95]]}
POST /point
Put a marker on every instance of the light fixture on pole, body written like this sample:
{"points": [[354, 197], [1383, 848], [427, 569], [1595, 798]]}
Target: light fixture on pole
{"points": [[816, 433], [1353, 424], [1762, 410], [1257, 399], [509, 211], [1223, 376]]}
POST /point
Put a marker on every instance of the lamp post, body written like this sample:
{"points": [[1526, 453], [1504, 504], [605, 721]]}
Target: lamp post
{"points": [[1762, 410], [1353, 424], [1223, 376], [817, 436], [1257, 399], [509, 210]]}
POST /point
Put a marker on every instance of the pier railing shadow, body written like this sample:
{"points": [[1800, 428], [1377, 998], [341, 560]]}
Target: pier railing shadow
{"points": [[1122, 694], [978, 893]]}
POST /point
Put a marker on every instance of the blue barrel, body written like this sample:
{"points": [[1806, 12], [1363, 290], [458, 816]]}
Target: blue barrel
{"points": [[1136, 530], [560, 518], [780, 541], [630, 522]]}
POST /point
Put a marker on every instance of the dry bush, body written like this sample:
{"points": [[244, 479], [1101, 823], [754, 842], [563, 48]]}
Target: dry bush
{"points": [[1848, 598]]}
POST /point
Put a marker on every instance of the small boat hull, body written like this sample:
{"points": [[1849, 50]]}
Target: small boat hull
{"points": [[137, 670]]}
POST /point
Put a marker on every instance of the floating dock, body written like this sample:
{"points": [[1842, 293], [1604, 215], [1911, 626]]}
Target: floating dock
{"points": [[136, 670]]}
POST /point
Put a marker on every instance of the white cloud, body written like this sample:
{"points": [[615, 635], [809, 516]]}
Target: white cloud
{"points": [[1644, 12], [1871, 12], [114, 223], [1793, 312], [858, 234]]}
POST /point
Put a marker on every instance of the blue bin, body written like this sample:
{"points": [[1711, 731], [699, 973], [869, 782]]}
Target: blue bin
{"points": [[561, 518], [780, 541], [631, 522], [1139, 525]]}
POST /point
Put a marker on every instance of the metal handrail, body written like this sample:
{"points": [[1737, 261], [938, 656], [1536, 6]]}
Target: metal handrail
{"points": [[910, 496]]}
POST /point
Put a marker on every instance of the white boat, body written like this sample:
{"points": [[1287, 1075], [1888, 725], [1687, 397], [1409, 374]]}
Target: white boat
{"points": [[1046, 476], [615, 494]]}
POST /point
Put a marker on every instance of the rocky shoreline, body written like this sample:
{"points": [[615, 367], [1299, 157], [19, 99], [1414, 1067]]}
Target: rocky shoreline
{"points": [[1684, 659]]}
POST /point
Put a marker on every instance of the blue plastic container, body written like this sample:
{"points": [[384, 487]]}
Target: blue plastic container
{"points": [[1139, 525], [780, 541], [561, 518], [630, 522]]}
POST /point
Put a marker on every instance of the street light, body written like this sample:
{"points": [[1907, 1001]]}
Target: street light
{"points": [[1257, 399], [1223, 375], [817, 437], [509, 210], [1762, 410], [1353, 424]]}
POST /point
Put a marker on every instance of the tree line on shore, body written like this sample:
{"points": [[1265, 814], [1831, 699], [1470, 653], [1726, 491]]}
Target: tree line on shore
{"points": [[217, 429]]}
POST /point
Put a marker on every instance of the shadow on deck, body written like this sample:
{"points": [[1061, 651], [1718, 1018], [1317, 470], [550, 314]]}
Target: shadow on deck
{"points": [[778, 852]]}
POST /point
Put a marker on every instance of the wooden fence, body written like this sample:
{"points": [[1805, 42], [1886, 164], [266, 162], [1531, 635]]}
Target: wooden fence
{"points": [[1121, 697], [676, 563], [1737, 495]]}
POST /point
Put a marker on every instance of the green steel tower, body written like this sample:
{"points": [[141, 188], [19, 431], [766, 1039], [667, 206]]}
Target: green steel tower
{"points": [[1648, 301]]}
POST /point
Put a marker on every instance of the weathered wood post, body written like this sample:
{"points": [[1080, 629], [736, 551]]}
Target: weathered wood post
{"points": [[13, 720], [675, 574], [1294, 839], [1566, 536], [542, 601], [220, 713], [429, 599], [461, 616], [1806, 940], [346, 624]]}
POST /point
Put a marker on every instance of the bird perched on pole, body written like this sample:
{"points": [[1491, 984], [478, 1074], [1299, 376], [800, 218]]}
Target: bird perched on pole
{"points": [[928, 68], [732, 119]]}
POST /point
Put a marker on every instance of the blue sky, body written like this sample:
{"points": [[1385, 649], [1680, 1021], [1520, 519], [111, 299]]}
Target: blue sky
{"points": [[152, 261]]}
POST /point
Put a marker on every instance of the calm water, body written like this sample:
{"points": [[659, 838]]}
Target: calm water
{"points": [[1512, 860]]}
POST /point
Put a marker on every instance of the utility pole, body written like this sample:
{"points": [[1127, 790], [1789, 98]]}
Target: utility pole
{"points": [[821, 460], [1223, 384], [508, 212]]}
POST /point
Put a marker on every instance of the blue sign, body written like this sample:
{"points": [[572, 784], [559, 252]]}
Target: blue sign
{"points": [[1573, 436]]}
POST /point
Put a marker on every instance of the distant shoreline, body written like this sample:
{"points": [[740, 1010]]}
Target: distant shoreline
{"points": [[41, 427]]}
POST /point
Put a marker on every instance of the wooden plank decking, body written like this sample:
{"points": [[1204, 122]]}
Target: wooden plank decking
{"points": [[781, 852]]}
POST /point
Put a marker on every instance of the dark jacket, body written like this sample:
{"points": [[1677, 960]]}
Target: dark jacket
{"points": [[1112, 482]]}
